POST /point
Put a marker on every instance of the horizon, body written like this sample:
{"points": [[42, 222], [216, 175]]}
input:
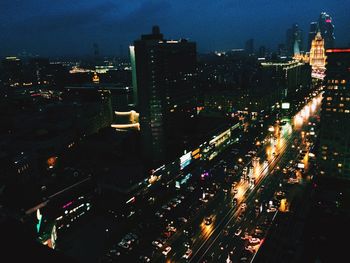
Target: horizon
{"points": [[71, 29]]}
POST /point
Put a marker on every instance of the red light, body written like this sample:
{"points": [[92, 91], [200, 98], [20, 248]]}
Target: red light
{"points": [[338, 50], [328, 21], [68, 204]]}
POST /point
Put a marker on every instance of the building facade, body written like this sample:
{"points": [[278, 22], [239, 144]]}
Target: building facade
{"points": [[164, 91], [334, 149], [318, 57]]}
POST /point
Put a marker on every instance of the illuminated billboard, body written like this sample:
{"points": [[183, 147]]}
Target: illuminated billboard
{"points": [[285, 105], [185, 160]]}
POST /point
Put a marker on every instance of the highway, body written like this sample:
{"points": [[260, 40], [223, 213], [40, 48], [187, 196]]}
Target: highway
{"points": [[167, 224], [208, 239]]}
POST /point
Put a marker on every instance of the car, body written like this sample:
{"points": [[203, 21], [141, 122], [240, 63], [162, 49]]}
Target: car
{"points": [[243, 206], [234, 201], [208, 220], [254, 240], [203, 200], [283, 123], [157, 244], [182, 219], [258, 230], [188, 254], [171, 229], [244, 259], [165, 207], [191, 188], [166, 251], [238, 232], [250, 248], [159, 214], [235, 191], [144, 259], [271, 209]]}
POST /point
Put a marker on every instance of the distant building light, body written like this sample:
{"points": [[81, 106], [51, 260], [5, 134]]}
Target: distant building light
{"points": [[338, 50]]}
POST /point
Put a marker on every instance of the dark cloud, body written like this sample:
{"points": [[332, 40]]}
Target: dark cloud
{"points": [[68, 27], [70, 20]]}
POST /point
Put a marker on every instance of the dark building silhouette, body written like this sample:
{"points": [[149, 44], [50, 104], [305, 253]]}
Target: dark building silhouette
{"points": [[326, 28], [262, 51], [282, 50], [249, 46], [164, 92], [335, 118]]}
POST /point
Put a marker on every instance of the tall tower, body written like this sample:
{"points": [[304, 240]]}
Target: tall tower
{"points": [[318, 57], [326, 28], [294, 34], [312, 33], [334, 152], [163, 72]]}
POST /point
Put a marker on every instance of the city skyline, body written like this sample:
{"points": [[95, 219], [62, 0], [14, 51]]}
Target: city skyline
{"points": [[221, 136], [73, 28]]}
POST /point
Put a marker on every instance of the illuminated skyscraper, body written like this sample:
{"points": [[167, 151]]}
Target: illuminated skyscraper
{"points": [[318, 57], [327, 29], [164, 92], [334, 152]]}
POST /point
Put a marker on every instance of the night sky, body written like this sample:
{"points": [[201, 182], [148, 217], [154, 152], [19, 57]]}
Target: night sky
{"points": [[66, 27]]}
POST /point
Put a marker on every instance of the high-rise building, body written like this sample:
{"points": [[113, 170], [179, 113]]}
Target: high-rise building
{"points": [[163, 72], [294, 41], [312, 34], [249, 46], [262, 52], [326, 28], [318, 57], [282, 52], [334, 151]]}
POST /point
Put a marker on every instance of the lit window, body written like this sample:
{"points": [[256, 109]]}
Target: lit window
{"points": [[329, 98]]}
